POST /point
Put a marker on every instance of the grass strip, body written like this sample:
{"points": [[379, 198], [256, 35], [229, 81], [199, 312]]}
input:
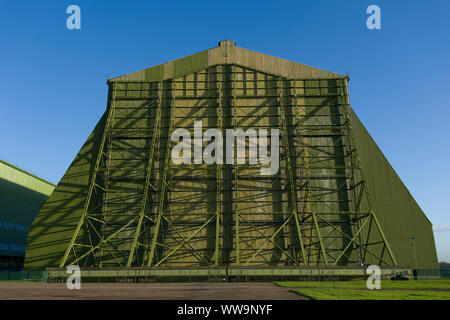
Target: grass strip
{"points": [[361, 284], [336, 294]]}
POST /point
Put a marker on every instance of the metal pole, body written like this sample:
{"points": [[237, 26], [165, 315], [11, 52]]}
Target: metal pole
{"points": [[414, 249]]}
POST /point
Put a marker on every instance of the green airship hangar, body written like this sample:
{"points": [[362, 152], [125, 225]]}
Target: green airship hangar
{"points": [[124, 209]]}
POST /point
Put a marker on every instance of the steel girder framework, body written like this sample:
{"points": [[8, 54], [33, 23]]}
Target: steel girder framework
{"points": [[141, 210]]}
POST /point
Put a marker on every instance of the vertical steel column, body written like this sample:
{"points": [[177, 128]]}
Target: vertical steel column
{"points": [[307, 192], [105, 206], [155, 136], [165, 173], [360, 168], [235, 167], [353, 178], [292, 189], [219, 169]]}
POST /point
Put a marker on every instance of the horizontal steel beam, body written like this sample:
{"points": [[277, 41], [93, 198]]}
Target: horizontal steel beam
{"points": [[232, 271]]}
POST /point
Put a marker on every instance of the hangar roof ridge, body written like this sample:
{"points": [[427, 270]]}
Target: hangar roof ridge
{"points": [[227, 53]]}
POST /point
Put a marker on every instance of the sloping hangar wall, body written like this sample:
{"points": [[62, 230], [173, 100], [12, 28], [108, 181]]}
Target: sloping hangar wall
{"points": [[53, 229], [399, 214]]}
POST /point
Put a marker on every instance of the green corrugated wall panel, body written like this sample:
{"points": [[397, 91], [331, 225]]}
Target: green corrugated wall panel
{"points": [[190, 64], [399, 215], [62, 210], [154, 74], [170, 70]]}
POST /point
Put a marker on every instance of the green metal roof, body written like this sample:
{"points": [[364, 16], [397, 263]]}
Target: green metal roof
{"points": [[25, 179], [228, 53]]}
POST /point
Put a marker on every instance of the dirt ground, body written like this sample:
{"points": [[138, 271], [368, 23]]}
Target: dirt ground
{"points": [[147, 291]]}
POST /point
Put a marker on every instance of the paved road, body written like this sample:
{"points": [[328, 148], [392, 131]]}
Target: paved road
{"points": [[148, 291]]}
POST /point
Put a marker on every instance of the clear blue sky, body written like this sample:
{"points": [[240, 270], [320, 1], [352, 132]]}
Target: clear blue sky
{"points": [[53, 80]]}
